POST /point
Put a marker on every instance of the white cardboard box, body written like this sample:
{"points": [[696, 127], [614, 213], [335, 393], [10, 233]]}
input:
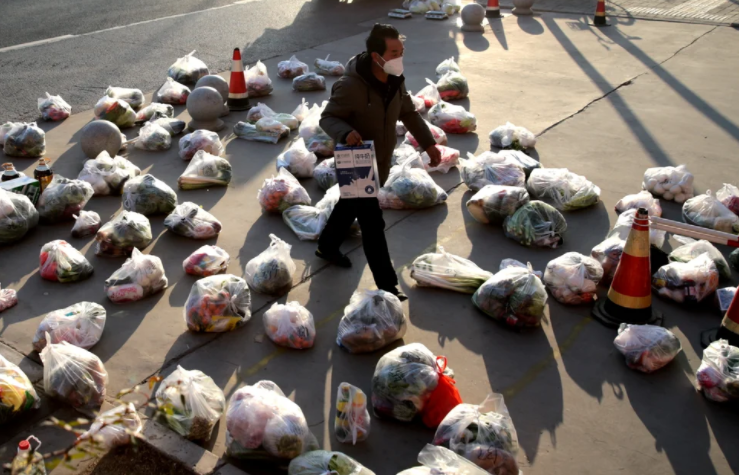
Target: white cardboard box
{"points": [[356, 170]]}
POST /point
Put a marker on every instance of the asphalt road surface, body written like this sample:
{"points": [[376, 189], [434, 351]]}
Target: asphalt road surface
{"points": [[77, 48]]}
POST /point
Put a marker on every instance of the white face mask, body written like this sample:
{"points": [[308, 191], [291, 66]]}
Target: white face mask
{"points": [[393, 67]]}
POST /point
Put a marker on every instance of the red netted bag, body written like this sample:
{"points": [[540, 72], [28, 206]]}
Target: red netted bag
{"points": [[443, 399]]}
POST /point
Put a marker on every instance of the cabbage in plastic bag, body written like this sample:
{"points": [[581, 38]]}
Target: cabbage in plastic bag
{"points": [[514, 296], [271, 271], [290, 325], [494, 203], [53, 108], [17, 216], [573, 278], [709, 212], [192, 221], [148, 195], [218, 303], [140, 276], [565, 190], [448, 271], [372, 320], [80, 325], [490, 168], [155, 111], [452, 86], [718, 374], [60, 262], [25, 140], [646, 348], [116, 111], [188, 69], [298, 160], [205, 170], [687, 282], [119, 236], [107, 175]]}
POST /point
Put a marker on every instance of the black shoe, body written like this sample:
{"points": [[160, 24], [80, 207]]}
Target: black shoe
{"points": [[337, 259], [398, 293]]}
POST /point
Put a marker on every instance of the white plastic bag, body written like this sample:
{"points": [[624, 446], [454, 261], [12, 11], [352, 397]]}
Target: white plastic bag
{"points": [[449, 159], [302, 111], [646, 348], [328, 68], [439, 136], [191, 403], [192, 221], [281, 192], [53, 108], [709, 212], [573, 278], [316, 139], [692, 249], [494, 203], [670, 183], [563, 189], [419, 7], [25, 140], [114, 427], [258, 111], [325, 173], [372, 320], [272, 270], [173, 126], [116, 111], [153, 137], [258, 83], [307, 222], [309, 82], [119, 236], [267, 130], [441, 461], [80, 325], [448, 271], [155, 111], [352, 422], [429, 94], [410, 188], [728, 195], [643, 199], [140, 276], [188, 69], [291, 68], [86, 224], [204, 140], [6, 128], [298, 160], [218, 303], [73, 375], [453, 86], [17, 216], [205, 170], [527, 163], [62, 199], [8, 298], [446, 66], [687, 282], [452, 119], [490, 168], [148, 195], [107, 175], [133, 97], [718, 374], [290, 325], [173, 93], [511, 136], [60, 262], [18, 395], [514, 295], [205, 261]]}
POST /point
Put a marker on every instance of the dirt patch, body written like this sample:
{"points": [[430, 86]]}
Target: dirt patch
{"points": [[140, 459]]}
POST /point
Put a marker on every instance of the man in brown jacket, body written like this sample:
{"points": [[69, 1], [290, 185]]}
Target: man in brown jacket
{"points": [[365, 104]]}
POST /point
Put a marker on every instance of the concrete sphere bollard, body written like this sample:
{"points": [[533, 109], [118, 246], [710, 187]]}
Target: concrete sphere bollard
{"points": [[205, 105], [98, 136], [472, 16], [217, 83]]}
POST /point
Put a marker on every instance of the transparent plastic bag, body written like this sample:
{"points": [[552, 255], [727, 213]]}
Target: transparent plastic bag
{"points": [[218, 303], [258, 111], [132, 97], [419, 7], [413, 187], [191, 403], [646, 348], [291, 68], [446, 66], [205, 170], [687, 282], [514, 296], [670, 183], [573, 278], [307, 222], [709, 212], [511, 136], [734, 259], [494, 203], [155, 111], [8, 298], [728, 195], [173, 126], [173, 93], [324, 462], [718, 374], [489, 168], [80, 325], [60, 262], [298, 160], [508, 262], [328, 68], [153, 137], [563, 189], [352, 422], [25, 140], [148, 195], [692, 249], [116, 111], [62, 199], [441, 461], [429, 94], [267, 130], [204, 140], [205, 261], [536, 224], [316, 139], [281, 192], [53, 108], [643, 199], [290, 325], [6, 128], [527, 163], [188, 69], [309, 82], [448, 271], [325, 173], [438, 134], [258, 83], [372, 320], [73, 375], [453, 86], [403, 153], [107, 174], [302, 111], [260, 421], [119, 236], [400, 129], [17, 394], [452, 119], [17, 216], [140, 276], [449, 160], [482, 434], [114, 427], [271, 271], [192, 221]]}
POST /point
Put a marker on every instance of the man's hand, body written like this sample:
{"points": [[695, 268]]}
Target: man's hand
{"points": [[353, 139], [434, 155]]}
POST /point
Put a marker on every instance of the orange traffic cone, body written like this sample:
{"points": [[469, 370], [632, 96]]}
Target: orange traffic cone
{"points": [[729, 329], [600, 14], [238, 98], [493, 9], [630, 296]]}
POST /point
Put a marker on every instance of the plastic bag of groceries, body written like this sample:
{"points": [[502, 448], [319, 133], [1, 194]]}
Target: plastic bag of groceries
{"points": [[258, 83], [449, 159], [218, 303], [261, 421], [489, 168], [155, 111], [258, 111], [119, 236], [429, 94], [8, 298], [692, 249], [205, 261], [272, 270], [482, 434], [709, 212], [452, 119], [448, 271], [116, 111], [688, 282], [140, 276], [148, 195], [352, 422], [316, 139], [671, 183], [494, 203], [291, 68], [192, 221], [173, 93], [419, 7], [132, 97], [267, 130], [718, 374], [114, 427], [307, 222], [17, 216], [290, 325], [281, 192], [372, 320], [153, 137], [173, 126], [73, 375], [6, 128], [506, 263], [309, 82], [403, 153], [200, 140], [53, 108], [563, 189], [515, 296], [18, 394], [298, 160], [643, 199], [439, 460], [25, 140], [646, 348], [328, 68], [452, 86], [438, 134], [400, 129], [62, 199], [410, 381], [107, 175], [188, 69], [60, 262], [80, 325], [321, 462], [511, 136], [536, 224], [410, 188], [728, 195], [527, 163], [302, 111], [205, 170], [573, 278], [325, 173], [446, 66], [191, 403]]}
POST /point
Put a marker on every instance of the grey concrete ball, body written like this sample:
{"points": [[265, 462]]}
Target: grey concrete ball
{"points": [[216, 82], [204, 103], [98, 136], [473, 14]]}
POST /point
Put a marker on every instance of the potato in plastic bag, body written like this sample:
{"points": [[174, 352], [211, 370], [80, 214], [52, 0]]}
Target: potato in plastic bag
{"points": [[107, 175], [510, 136], [116, 111], [205, 261], [192, 221], [494, 203], [60, 262], [258, 83], [298, 160], [153, 137], [352, 422], [687, 282], [325, 173], [188, 69], [322, 462], [205, 170], [514, 296], [218, 303], [62, 199], [669, 183], [536, 224], [718, 374], [119, 236], [309, 82], [728, 195], [25, 140], [155, 111], [133, 97], [316, 139], [173, 93], [410, 188], [307, 222], [148, 195], [643, 199], [205, 140], [17, 216], [290, 325], [53, 108], [281, 192], [646, 348], [372, 320], [692, 249], [74, 375], [80, 325], [17, 394], [328, 68], [709, 212], [448, 271], [140, 276], [114, 427], [8, 298], [291, 68], [271, 271], [563, 189], [490, 168], [573, 278], [439, 135]]}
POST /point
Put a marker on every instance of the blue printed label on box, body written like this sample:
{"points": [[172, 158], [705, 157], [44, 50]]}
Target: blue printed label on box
{"points": [[356, 170]]}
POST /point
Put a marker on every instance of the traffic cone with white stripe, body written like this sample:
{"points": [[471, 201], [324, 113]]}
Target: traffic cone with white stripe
{"points": [[600, 14], [493, 9], [238, 98], [630, 296], [729, 329]]}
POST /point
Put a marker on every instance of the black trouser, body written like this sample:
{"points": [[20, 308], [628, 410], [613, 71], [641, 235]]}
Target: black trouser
{"points": [[367, 211]]}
